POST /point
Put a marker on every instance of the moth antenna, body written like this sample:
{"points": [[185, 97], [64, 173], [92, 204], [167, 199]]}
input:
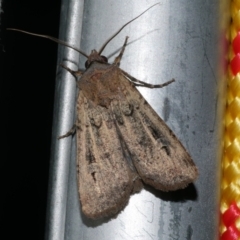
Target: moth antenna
{"points": [[115, 34], [51, 38]]}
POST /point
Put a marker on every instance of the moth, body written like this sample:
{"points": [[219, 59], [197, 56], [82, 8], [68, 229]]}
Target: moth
{"points": [[121, 141]]}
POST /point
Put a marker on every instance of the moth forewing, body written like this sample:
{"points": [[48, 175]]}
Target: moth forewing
{"points": [[159, 157], [104, 178]]}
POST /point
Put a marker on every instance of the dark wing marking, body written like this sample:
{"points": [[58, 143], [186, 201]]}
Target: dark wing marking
{"points": [[104, 176], [159, 157]]}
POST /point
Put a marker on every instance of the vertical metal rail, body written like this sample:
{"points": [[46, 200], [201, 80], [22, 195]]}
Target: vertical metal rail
{"points": [[71, 19]]}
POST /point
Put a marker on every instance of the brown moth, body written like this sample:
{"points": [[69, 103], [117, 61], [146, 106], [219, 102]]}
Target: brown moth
{"points": [[121, 141]]}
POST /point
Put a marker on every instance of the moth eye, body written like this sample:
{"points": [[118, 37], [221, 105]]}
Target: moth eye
{"points": [[104, 58], [86, 64]]}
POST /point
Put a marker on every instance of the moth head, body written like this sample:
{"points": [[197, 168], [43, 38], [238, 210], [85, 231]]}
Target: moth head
{"points": [[95, 57]]}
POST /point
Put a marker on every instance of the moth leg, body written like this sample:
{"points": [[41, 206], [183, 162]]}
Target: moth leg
{"points": [[74, 73], [119, 57], [139, 83], [72, 131]]}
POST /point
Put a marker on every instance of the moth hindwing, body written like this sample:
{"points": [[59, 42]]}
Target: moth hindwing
{"points": [[121, 141]]}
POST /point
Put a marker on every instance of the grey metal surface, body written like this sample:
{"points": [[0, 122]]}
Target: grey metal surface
{"points": [[176, 39], [64, 110]]}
